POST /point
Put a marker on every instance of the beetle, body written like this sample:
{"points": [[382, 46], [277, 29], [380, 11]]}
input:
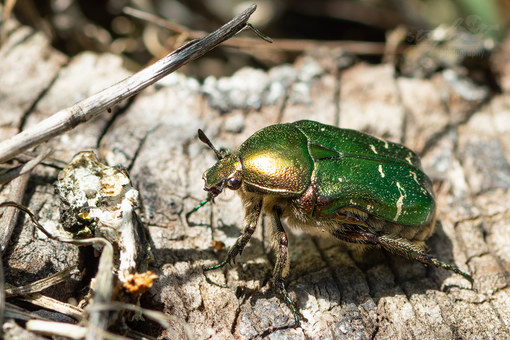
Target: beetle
{"points": [[339, 182]]}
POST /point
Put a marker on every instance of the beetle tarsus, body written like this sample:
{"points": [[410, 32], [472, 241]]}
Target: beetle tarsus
{"points": [[452, 268], [210, 198], [288, 300], [219, 265], [198, 206]]}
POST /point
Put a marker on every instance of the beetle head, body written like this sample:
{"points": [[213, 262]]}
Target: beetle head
{"points": [[226, 172]]}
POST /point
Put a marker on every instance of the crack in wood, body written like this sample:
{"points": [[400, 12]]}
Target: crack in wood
{"points": [[22, 41], [336, 95], [438, 135], [283, 104], [118, 112], [41, 95]]}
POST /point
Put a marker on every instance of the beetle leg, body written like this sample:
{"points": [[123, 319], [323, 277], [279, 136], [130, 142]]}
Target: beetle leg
{"points": [[405, 248], [399, 246], [362, 237], [250, 224], [281, 268], [280, 245]]}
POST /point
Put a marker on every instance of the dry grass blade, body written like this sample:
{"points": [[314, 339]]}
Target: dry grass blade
{"points": [[55, 305], [292, 45], [33, 219], [104, 278], [103, 291], [37, 286], [14, 331], [52, 328], [183, 30], [15, 312], [2, 296], [18, 186], [67, 330], [24, 168], [179, 29], [10, 216], [163, 319], [91, 107]]}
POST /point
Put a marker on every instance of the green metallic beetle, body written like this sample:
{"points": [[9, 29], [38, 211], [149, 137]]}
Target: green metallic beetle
{"points": [[324, 179]]}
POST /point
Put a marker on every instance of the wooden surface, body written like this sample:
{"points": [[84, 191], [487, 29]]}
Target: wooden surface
{"points": [[341, 292]]}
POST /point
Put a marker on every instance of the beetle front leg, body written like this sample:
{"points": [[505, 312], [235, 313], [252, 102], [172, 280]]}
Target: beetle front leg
{"points": [[250, 224], [280, 245]]}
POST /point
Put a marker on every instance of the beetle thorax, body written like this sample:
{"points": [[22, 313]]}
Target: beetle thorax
{"points": [[227, 172]]}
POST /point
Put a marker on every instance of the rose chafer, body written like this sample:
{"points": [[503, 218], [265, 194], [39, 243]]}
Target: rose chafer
{"points": [[345, 183]]}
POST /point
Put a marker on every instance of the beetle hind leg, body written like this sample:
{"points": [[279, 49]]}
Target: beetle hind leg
{"points": [[398, 246], [407, 249], [412, 251]]}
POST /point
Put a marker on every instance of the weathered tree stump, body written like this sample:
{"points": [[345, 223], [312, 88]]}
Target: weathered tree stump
{"points": [[342, 292]]}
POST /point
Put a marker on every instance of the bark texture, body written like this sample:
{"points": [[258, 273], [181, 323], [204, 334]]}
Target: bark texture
{"points": [[342, 292]]}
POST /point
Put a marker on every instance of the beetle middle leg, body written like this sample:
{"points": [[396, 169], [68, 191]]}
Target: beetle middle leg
{"points": [[250, 224], [280, 244], [398, 246]]}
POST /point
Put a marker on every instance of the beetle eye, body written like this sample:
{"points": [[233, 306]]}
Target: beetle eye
{"points": [[234, 183]]}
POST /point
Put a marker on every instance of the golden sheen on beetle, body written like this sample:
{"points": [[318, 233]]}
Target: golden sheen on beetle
{"points": [[355, 187]]}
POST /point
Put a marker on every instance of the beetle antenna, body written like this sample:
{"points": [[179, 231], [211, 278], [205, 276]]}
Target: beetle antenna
{"points": [[204, 139]]}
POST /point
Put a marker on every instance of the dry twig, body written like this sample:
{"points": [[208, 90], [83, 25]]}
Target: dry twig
{"points": [[91, 107]]}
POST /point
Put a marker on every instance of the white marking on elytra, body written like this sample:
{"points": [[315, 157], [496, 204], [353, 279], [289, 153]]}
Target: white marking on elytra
{"points": [[415, 177], [381, 171], [400, 201], [373, 149], [409, 158], [386, 145]]}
